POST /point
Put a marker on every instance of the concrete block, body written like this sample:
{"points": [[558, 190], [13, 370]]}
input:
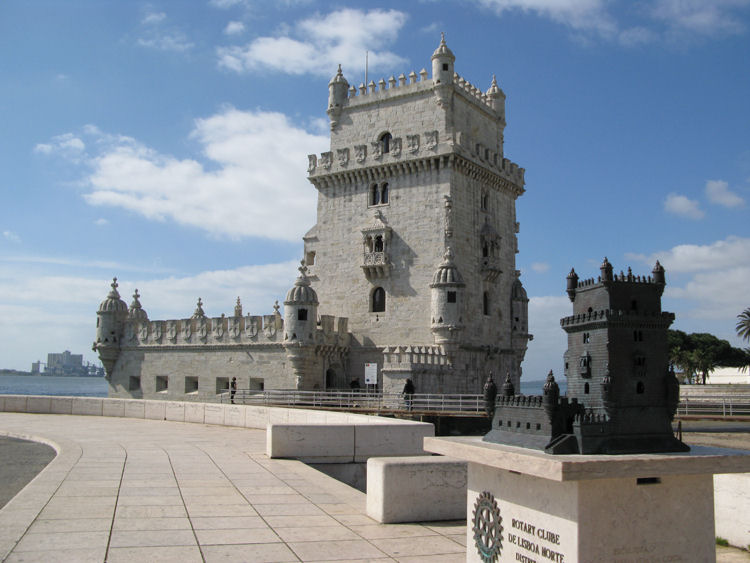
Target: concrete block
{"points": [[113, 407], [732, 498], [195, 412], [312, 443], [214, 414], [377, 440], [15, 403], [175, 410], [234, 415], [39, 405], [279, 416], [155, 410], [135, 409], [416, 489], [88, 406], [61, 405]]}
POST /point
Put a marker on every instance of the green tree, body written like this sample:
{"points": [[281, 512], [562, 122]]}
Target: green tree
{"points": [[702, 353], [743, 324]]}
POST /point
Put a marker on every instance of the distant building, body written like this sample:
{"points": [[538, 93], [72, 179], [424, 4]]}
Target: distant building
{"points": [[66, 364], [410, 266]]}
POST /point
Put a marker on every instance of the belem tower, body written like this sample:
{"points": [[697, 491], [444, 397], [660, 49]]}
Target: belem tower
{"points": [[410, 266]]}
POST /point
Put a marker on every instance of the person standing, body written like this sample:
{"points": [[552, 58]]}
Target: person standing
{"points": [[232, 389], [408, 393]]}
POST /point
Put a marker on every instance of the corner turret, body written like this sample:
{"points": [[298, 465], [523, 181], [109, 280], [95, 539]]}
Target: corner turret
{"points": [[442, 63], [447, 302], [300, 323], [337, 97], [112, 313]]}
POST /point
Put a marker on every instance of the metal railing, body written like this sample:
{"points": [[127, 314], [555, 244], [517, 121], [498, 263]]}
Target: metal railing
{"points": [[369, 401], [715, 405]]}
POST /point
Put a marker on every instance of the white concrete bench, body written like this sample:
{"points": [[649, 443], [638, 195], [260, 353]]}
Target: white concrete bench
{"points": [[345, 443], [416, 489]]}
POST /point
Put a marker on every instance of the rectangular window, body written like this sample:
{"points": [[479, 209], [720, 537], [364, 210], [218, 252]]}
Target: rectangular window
{"points": [[302, 314], [310, 258], [451, 297], [134, 383], [191, 384], [162, 383], [222, 384]]}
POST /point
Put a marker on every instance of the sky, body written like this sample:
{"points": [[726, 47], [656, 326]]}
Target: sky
{"points": [[165, 143]]}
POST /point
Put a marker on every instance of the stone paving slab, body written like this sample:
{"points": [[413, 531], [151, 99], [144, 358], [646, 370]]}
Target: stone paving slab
{"points": [[123, 490], [154, 490]]}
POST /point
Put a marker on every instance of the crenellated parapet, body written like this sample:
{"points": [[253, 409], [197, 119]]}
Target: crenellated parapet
{"points": [[655, 318], [400, 358]]}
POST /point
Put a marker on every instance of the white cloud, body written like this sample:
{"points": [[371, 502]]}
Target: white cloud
{"points": [[678, 204], [580, 15], [705, 17], [540, 267], [253, 183], [11, 236], [234, 28], [721, 255], [720, 294], [153, 18], [717, 191], [68, 145], [320, 43], [155, 35], [101, 222]]}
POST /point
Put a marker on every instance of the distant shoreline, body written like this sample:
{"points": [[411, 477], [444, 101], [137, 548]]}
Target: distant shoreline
{"points": [[13, 372]]}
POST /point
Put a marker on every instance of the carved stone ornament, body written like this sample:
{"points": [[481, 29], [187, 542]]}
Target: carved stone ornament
{"points": [[130, 332], [360, 153], [234, 327], [412, 143], [202, 329], [251, 327], [377, 150], [487, 527], [326, 160], [157, 330], [396, 146], [187, 330], [343, 156], [431, 139], [312, 162], [219, 328], [143, 331], [172, 331]]}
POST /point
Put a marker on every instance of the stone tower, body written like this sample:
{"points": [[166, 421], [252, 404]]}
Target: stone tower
{"points": [[415, 239]]}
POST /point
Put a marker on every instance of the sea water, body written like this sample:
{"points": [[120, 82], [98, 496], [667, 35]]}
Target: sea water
{"points": [[49, 385]]}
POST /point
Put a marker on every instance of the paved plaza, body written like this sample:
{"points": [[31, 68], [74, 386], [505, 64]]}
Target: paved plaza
{"points": [[143, 490]]}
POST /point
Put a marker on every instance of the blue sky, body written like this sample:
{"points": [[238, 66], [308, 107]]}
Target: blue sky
{"points": [[165, 143]]}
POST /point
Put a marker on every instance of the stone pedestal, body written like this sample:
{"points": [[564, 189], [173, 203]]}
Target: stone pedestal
{"points": [[525, 505]]}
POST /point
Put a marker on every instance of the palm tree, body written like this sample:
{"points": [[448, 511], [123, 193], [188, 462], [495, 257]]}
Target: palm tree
{"points": [[743, 325]]}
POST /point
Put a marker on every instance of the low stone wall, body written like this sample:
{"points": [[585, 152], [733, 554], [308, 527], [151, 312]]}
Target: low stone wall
{"points": [[246, 416]]}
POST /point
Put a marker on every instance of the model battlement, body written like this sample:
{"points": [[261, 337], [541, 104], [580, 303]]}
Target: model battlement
{"points": [[612, 315]]}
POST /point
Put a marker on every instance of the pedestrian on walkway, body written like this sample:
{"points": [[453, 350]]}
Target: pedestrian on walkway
{"points": [[408, 393], [232, 389]]}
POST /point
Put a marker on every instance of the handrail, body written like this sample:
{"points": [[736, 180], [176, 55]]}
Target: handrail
{"points": [[360, 400]]}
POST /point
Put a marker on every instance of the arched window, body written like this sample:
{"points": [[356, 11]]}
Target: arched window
{"points": [[374, 195], [586, 389], [485, 303], [368, 244], [378, 300], [385, 142], [640, 388], [384, 193], [378, 243]]}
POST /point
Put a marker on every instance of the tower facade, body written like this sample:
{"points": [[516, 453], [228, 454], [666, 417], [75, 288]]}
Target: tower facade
{"points": [[416, 171]]}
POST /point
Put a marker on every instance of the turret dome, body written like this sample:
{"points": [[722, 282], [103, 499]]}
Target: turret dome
{"points": [[443, 51], [447, 273], [301, 293], [113, 303], [137, 312]]}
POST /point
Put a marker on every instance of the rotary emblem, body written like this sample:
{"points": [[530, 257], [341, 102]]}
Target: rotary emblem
{"points": [[487, 527]]}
